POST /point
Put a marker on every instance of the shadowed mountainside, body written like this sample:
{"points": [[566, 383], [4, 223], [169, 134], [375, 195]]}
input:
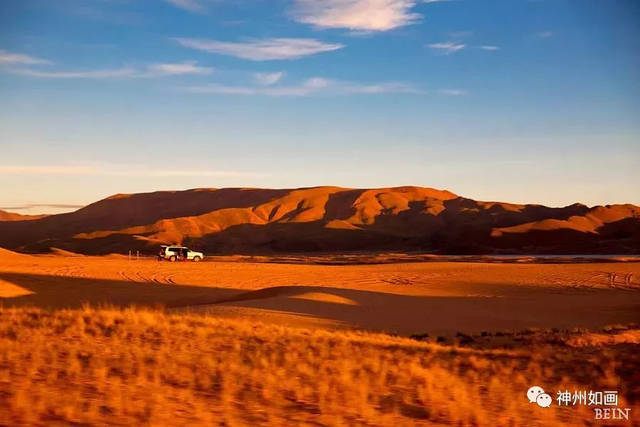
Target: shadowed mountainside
{"points": [[327, 219]]}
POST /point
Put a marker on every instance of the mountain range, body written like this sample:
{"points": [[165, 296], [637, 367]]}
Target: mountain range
{"points": [[325, 220]]}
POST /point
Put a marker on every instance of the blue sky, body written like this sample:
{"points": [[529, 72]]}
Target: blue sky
{"points": [[511, 100]]}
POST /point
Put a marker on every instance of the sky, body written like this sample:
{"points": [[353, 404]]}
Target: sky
{"points": [[524, 101]]}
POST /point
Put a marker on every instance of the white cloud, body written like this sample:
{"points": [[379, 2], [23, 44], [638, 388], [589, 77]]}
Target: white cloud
{"points": [[86, 74], [363, 15], [262, 50], [268, 79], [117, 170], [447, 47], [45, 170], [544, 34], [19, 58], [489, 47], [312, 86], [29, 206], [172, 69], [153, 70], [190, 5]]}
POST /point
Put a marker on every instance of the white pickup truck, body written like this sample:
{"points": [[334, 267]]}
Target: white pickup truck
{"points": [[179, 253]]}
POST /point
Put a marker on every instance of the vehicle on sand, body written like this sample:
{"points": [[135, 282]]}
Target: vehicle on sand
{"points": [[175, 253]]}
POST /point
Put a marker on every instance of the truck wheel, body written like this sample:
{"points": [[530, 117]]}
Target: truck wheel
{"points": [[196, 259], [172, 258]]}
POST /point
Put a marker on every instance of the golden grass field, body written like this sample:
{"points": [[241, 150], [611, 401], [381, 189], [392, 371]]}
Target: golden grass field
{"points": [[104, 340]]}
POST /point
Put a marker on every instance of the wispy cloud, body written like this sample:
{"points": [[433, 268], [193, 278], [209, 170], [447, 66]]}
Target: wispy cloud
{"points": [[268, 79], [117, 170], [45, 170], [190, 5], [86, 74], [173, 69], [447, 47], [30, 206], [153, 70], [362, 15], [8, 58], [184, 173], [489, 47], [312, 86], [264, 49]]}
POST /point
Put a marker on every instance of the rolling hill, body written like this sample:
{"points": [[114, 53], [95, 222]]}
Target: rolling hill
{"points": [[327, 219], [11, 216]]}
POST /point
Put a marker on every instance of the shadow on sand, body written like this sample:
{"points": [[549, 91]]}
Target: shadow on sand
{"points": [[55, 292], [376, 311]]}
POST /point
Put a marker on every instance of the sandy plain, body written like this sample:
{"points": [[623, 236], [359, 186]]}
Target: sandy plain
{"points": [[439, 298]]}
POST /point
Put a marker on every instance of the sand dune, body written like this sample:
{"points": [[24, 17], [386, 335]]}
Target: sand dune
{"points": [[62, 252], [327, 219], [7, 254]]}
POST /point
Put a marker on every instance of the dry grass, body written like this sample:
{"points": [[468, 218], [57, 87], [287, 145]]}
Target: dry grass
{"points": [[136, 367]]}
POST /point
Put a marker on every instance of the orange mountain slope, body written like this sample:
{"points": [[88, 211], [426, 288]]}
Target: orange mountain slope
{"points": [[327, 219], [12, 216]]}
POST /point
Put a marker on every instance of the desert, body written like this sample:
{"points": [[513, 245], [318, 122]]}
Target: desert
{"points": [[439, 298], [236, 341], [379, 213]]}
